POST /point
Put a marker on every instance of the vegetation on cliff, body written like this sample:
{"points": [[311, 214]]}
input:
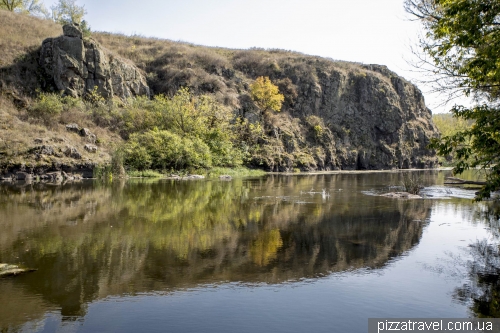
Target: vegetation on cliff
{"points": [[202, 111]]}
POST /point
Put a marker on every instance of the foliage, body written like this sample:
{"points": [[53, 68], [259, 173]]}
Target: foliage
{"points": [[412, 183], [11, 4], [448, 125], [32, 7], [477, 146], [192, 118], [266, 95], [48, 106], [94, 98], [162, 150], [67, 11], [463, 42]]}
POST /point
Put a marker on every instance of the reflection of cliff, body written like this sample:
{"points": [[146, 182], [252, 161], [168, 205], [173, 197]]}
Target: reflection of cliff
{"points": [[89, 242]]}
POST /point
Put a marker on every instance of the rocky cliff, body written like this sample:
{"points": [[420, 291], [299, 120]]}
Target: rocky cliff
{"points": [[77, 65], [336, 115]]}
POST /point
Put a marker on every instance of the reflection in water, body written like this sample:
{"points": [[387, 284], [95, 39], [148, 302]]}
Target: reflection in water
{"points": [[482, 292], [90, 241]]}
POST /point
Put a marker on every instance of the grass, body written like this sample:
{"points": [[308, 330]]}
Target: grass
{"points": [[145, 174], [234, 172]]}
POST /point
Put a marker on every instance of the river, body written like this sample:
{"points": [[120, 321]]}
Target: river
{"points": [[279, 253]]}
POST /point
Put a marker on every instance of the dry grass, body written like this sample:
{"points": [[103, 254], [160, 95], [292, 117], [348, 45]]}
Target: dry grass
{"points": [[21, 34], [20, 134], [224, 72], [20, 39]]}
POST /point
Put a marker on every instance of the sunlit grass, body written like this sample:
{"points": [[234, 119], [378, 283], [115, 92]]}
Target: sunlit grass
{"points": [[145, 174], [234, 172]]}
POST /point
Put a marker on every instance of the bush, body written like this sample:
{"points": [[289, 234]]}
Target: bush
{"points": [[162, 150], [412, 183], [47, 106]]}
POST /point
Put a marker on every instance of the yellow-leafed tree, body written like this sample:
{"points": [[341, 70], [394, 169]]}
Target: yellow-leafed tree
{"points": [[266, 95]]}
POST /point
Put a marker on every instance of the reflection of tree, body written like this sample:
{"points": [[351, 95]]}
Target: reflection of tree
{"points": [[483, 290], [89, 242], [265, 247]]}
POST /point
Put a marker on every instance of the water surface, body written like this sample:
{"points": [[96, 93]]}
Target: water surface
{"points": [[279, 253]]}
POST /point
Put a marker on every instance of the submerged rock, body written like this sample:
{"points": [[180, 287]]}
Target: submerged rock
{"points": [[194, 177], [10, 270], [401, 195]]}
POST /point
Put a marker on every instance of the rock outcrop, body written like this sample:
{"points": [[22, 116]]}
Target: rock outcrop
{"points": [[335, 115], [77, 66], [349, 117]]}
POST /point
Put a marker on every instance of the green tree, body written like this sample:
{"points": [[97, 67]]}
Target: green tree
{"points": [[462, 44], [67, 11], [11, 4], [266, 95], [32, 7]]}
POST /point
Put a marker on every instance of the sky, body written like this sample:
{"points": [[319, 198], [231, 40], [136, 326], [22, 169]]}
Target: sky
{"points": [[366, 31]]}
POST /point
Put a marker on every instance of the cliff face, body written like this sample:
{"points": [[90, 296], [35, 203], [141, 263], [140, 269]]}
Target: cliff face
{"points": [[376, 119], [336, 115], [75, 66]]}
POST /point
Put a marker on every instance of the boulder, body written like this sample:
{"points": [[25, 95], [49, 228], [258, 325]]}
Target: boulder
{"points": [[24, 176], [55, 176], [78, 66], [86, 133], [72, 152], [73, 128], [90, 148]]}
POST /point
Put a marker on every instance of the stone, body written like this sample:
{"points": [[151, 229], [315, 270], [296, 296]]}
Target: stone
{"points": [[194, 177], [90, 148], [72, 30], [86, 133], [24, 176], [55, 176], [72, 152], [12, 270], [401, 195], [225, 177], [79, 66], [73, 128]]}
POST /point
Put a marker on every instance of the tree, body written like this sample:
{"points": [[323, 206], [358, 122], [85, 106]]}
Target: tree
{"points": [[32, 7], [266, 95], [462, 43], [11, 4], [67, 11]]}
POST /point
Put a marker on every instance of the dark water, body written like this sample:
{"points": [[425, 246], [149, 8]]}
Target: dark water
{"points": [[319, 253]]}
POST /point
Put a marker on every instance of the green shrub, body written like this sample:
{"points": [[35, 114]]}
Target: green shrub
{"points": [[47, 106], [162, 150]]}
